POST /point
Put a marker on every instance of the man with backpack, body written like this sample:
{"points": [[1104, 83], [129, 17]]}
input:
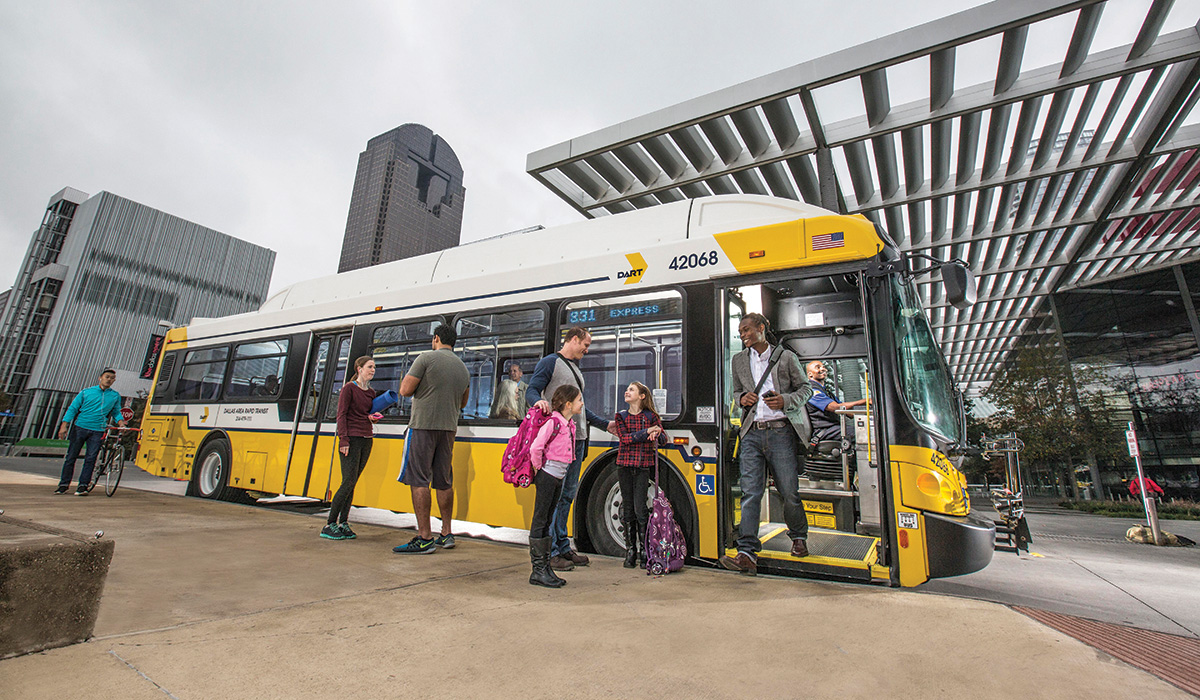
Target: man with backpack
{"points": [[551, 372], [772, 391]]}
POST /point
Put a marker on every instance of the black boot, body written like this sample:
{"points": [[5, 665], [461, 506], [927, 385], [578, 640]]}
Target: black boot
{"points": [[631, 546], [539, 556], [641, 555]]}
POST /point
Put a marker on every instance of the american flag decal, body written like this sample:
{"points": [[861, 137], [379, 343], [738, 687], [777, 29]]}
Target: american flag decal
{"points": [[825, 241]]}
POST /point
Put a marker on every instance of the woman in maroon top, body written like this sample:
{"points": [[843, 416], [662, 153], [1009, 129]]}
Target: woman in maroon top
{"points": [[639, 430], [354, 431]]}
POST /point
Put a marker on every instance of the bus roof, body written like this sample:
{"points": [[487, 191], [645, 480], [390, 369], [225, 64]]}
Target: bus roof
{"points": [[556, 256]]}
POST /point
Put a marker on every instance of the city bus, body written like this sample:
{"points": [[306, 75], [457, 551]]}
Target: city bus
{"points": [[245, 406]]}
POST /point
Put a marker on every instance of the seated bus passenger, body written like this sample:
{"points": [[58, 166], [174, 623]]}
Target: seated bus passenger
{"points": [[826, 424], [510, 395]]}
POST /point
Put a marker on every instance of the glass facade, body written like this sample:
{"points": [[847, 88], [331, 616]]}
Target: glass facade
{"points": [[1136, 341]]}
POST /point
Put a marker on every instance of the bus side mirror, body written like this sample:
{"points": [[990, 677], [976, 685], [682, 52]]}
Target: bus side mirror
{"points": [[959, 283]]}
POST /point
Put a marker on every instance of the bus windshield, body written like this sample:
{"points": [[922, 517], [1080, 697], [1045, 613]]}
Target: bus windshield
{"points": [[924, 378]]}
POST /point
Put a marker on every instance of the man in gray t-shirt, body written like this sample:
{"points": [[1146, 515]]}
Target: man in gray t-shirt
{"points": [[439, 385]]}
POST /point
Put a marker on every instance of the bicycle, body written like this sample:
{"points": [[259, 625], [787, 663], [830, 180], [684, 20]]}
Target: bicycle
{"points": [[110, 463]]}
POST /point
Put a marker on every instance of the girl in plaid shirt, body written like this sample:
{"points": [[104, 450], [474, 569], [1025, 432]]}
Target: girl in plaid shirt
{"points": [[639, 430]]}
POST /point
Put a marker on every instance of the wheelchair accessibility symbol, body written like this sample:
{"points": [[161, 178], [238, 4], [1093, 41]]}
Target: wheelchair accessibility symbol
{"points": [[706, 484]]}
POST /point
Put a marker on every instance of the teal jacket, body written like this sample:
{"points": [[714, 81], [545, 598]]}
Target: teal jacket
{"points": [[94, 408]]}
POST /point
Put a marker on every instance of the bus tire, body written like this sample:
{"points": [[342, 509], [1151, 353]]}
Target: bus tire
{"points": [[239, 496], [210, 475], [604, 528], [604, 515]]}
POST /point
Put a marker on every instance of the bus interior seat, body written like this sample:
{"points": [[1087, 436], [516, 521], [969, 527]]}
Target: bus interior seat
{"points": [[268, 387]]}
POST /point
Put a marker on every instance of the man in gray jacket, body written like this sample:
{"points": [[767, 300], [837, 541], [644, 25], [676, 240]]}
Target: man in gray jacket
{"points": [[775, 429], [552, 372]]}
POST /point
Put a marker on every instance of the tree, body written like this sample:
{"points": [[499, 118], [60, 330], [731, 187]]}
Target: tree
{"points": [[1038, 399]]}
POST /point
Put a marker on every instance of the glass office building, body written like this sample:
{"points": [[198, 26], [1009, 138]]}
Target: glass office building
{"points": [[1136, 340]]}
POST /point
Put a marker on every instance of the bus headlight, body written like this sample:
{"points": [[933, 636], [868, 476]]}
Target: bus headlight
{"points": [[924, 488], [928, 484], [697, 466]]}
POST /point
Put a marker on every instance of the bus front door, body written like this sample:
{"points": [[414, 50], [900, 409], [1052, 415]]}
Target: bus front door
{"points": [[815, 320], [315, 442]]}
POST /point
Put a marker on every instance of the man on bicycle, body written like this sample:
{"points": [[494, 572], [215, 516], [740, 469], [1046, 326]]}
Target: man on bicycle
{"points": [[91, 412]]}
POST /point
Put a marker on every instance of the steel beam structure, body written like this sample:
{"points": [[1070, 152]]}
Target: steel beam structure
{"points": [[1041, 177]]}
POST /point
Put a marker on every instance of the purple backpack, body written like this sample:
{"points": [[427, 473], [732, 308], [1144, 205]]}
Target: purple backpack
{"points": [[517, 465], [665, 546]]}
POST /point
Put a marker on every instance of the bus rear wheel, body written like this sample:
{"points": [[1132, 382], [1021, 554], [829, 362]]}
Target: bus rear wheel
{"points": [[210, 475]]}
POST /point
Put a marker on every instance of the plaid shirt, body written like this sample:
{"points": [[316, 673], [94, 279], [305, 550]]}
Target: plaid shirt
{"points": [[637, 450]]}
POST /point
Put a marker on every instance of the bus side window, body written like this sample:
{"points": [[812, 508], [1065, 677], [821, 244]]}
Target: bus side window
{"points": [[395, 348], [256, 369], [492, 345], [634, 338], [203, 374]]}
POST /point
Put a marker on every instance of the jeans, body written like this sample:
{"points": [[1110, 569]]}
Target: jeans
{"points": [[352, 467], [777, 448], [570, 486], [79, 437], [635, 483], [548, 490]]}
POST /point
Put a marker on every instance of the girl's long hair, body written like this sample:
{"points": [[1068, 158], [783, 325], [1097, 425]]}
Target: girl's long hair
{"points": [[646, 398], [563, 395], [358, 364]]}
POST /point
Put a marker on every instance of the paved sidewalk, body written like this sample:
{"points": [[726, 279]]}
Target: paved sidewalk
{"points": [[1080, 564], [214, 600]]}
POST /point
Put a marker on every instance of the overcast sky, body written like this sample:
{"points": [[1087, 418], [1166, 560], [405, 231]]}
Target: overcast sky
{"points": [[249, 117]]}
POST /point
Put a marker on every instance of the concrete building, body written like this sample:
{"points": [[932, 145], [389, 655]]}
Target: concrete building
{"points": [[407, 200], [102, 276]]}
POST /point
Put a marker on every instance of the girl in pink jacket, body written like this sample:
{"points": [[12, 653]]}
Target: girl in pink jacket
{"points": [[552, 452]]}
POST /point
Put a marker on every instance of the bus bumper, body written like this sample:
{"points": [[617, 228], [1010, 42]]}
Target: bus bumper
{"points": [[957, 546]]}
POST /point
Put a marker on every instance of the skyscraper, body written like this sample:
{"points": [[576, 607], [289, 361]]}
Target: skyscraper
{"points": [[407, 200]]}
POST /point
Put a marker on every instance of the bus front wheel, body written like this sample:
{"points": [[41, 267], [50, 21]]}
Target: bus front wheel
{"points": [[605, 529]]}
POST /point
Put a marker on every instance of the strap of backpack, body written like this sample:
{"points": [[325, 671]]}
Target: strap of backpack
{"points": [[575, 372], [775, 355]]}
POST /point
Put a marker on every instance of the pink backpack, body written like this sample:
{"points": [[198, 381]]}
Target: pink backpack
{"points": [[517, 465], [665, 547]]}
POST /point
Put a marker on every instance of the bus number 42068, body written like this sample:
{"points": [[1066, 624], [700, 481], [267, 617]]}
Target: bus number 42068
{"points": [[686, 262]]}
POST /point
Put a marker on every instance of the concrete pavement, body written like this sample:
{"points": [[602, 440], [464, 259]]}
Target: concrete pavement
{"points": [[214, 600], [1080, 564]]}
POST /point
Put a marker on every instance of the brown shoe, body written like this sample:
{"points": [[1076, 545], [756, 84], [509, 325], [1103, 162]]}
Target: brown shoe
{"points": [[742, 562], [561, 563], [576, 558], [799, 548]]}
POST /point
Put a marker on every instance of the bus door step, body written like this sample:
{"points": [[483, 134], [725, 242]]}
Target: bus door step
{"points": [[823, 544]]}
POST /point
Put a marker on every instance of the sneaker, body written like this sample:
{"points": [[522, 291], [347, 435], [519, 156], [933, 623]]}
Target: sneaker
{"points": [[347, 533], [444, 541], [416, 546], [61, 490], [81, 492], [332, 532]]}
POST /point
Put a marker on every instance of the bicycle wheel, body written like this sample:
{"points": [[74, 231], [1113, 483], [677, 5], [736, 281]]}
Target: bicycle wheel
{"points": [[101, 463], [112, 475]]}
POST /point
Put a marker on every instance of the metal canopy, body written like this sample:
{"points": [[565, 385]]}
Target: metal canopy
{"points": [[1101, 139]]}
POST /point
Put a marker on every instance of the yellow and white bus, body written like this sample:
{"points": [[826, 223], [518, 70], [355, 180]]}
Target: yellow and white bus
{"points": [[244, 406]]}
